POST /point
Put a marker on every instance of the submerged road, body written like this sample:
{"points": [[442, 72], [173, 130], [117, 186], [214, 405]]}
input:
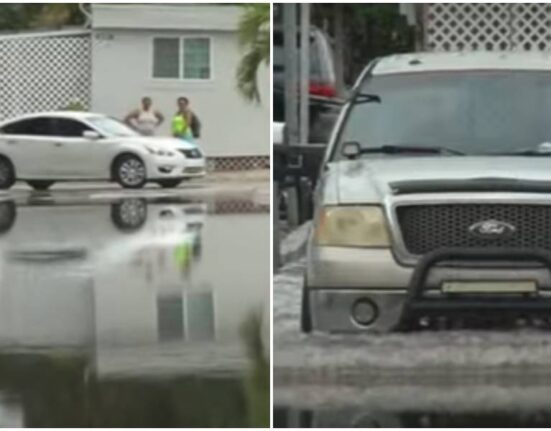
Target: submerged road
{"points": [[426, 378], [134, 302]]}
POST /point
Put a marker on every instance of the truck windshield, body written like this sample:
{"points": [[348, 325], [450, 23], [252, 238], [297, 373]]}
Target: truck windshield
{"points": [[473, 112]]}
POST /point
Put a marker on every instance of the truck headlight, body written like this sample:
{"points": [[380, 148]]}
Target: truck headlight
{"points": [[352, 226]]}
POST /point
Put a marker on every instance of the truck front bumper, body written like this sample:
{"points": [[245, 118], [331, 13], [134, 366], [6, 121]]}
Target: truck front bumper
{"points": [[367, 290]]}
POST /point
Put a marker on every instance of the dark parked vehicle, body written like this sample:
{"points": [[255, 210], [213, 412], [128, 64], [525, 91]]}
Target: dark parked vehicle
{"points": [[322, 85]]}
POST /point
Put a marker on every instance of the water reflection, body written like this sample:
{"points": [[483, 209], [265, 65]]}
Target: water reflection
{"points": [[131, 313], [288, 417]]}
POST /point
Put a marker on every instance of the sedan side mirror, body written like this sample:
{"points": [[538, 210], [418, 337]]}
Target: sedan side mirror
{"points": [[91, 134]]}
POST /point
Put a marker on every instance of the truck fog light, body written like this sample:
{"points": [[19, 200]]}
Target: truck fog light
{"points": [[364, 311]]}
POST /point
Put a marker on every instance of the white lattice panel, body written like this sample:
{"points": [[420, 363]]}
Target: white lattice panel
{"points": [[531, 26], [238, 163], [44, 73], [487, 26]]}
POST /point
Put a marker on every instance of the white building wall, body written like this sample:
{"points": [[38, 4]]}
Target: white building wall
{"points": [[122, 74], [166, 16], [45, 305]]}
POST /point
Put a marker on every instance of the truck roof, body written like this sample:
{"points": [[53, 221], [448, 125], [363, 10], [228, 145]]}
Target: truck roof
{"points": [[449, 61]]}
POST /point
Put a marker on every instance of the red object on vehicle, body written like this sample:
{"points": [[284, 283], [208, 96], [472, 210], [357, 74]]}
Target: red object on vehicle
{"points": [[320, 89]]}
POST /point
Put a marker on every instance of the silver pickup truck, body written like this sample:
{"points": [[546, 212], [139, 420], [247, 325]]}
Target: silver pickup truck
{"points": [[434, 200]]}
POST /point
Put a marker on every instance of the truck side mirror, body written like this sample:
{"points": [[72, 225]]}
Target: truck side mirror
{"points": [[351, 150]]}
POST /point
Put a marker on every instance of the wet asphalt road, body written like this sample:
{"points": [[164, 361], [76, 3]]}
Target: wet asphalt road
{"points": [[253, 186], [429, 378], [129, 308]]}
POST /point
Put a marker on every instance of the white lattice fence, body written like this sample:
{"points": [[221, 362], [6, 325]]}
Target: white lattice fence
{"points": [[487, 26], [238, 163], [45, 72]]}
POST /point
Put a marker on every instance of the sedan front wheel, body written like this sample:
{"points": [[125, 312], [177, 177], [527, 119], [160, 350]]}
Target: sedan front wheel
{"points": [[130, 172]]}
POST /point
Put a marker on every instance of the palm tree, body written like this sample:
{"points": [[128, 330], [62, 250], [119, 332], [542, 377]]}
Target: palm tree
{"points": [[21, 16], [254, 38], [57, 15]]}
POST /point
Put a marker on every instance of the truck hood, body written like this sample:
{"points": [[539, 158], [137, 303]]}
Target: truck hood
{"points": [[370, 180]]}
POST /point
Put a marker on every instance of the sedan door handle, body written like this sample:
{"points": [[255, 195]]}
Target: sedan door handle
{"points": [[11, 142], [58, 144]]}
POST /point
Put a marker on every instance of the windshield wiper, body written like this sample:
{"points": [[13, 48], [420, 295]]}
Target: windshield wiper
{"points": [[543, 149], [526, 152], [361, 98], [400, 149]]}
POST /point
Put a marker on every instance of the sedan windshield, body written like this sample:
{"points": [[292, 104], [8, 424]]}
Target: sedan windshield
{"points": [[112, 128], [490, 112]]}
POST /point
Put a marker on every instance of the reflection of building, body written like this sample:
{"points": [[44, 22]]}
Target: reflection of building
{"points": [[173, 292], [40, 390], [186, 316]]}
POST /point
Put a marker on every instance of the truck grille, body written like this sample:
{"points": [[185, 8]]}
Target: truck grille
{"points": [[428, 227]]}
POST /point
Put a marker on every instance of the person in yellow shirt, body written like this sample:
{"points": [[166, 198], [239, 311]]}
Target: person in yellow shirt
{"points": [[185, 124]]}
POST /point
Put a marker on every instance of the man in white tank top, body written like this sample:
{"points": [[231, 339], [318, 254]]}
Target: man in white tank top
{"points": [[145, 119]]}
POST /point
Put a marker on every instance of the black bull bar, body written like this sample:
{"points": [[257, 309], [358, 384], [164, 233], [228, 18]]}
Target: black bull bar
{"points": [[417, 304]]}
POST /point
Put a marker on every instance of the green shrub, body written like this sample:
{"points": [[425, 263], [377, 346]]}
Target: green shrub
{"points": [[74, 106]]}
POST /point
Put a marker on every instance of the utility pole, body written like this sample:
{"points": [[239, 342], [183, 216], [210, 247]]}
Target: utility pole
{"points": [[304, 53], [291, 71], [339, 47]]}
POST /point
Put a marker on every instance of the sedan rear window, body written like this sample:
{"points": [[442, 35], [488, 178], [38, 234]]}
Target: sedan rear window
{"points": [[31, 126], [69, 128]]}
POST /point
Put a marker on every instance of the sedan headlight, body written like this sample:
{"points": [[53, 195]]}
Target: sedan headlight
{"points": [[152, 150], [352, 226], [159, 152]]}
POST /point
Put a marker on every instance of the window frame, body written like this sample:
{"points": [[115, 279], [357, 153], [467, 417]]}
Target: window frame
{"points": [[181, 40], [54, 120]]}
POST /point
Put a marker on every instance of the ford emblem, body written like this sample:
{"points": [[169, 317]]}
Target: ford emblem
{"points": [[489, 229]]}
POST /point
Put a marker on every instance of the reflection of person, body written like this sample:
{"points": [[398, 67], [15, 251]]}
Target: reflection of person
{"points": [[145, 119], [185, 123], [183, 255], [197, 248]]}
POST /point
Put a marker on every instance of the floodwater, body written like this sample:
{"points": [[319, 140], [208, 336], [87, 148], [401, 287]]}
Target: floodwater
{"points": [[365, 418], [518, 398], [134, 312], [498, 377]]}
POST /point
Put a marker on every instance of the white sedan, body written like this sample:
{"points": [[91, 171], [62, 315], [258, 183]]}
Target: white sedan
{"points": [[74, 146]]}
